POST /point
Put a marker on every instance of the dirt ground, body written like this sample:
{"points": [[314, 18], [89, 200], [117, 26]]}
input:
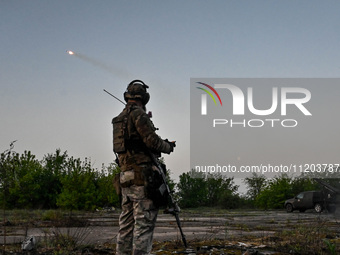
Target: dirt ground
{"points": [[207, 232]]}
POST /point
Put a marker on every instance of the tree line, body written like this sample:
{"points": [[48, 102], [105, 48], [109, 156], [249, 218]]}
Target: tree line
{"points": [[57, 181], [61, 181], [200, 189]]}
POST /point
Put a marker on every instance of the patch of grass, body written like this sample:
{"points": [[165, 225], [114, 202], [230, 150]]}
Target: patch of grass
{"points": [[307, 238], [52, 215], [213, 246], [331, 246]]}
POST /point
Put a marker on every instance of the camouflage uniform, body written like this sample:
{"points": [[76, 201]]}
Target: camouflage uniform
{"points": [[139, 213]]}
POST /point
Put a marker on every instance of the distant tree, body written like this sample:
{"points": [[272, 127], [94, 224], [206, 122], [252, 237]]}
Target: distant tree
{"points": [[230, 200], [275, 193], [106, 193], [254, 184], [8, 162], [303, 184], [22, 174], [228, 197], [26, 191], [55, 167], [277, 190], [192, 189], [78, 186], [199, 189], [221, 190]]}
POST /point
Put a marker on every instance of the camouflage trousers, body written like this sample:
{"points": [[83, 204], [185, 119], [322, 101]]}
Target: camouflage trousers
{"points": [[136, 222]]}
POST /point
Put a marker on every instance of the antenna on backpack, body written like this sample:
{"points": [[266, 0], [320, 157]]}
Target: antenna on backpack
{"points": [[114, 97]]}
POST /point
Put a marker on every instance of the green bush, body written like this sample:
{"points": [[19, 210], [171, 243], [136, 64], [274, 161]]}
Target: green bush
{"points": [[58, 181], [197, 189]]}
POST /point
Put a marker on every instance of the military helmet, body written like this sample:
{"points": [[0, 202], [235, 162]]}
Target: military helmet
{"points": [[137, 90]]}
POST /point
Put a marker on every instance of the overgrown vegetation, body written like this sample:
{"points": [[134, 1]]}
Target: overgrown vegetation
{"points": [[308, 238], [197, 189], [62, 232], [61, 181], [274, 192], [66, 185], [57, 181]]}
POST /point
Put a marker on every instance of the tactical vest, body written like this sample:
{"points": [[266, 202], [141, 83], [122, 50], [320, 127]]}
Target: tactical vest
{"points": [[122, 143], [128, 143]]}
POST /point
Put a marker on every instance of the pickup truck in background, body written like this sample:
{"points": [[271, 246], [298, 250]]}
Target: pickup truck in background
{"points": [[327, 198]]}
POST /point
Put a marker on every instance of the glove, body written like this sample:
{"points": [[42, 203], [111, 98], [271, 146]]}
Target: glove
{"points": [[172, 144]]}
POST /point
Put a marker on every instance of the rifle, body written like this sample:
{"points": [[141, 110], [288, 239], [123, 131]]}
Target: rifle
{"points": [[173, 206]]}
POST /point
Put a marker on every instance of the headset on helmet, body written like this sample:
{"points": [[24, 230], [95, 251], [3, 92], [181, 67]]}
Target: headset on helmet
{"points": [[137, 90]]}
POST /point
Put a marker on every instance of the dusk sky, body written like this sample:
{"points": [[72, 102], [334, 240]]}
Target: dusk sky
{"points": [[52, 100]]}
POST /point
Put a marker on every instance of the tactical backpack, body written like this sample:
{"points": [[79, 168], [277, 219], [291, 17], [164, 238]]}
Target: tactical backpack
{"points": [[120, 132]]}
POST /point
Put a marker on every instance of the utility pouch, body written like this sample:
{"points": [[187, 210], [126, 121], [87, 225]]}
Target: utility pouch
{"points": [[155, 188], [127, 178], [119, 133]]}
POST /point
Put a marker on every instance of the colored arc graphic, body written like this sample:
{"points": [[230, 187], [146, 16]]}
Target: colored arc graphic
{"points": [[207, 91], [210, 93]]}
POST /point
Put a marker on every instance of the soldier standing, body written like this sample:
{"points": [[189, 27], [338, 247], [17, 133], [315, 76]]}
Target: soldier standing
{"points": [[134, 138]]}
